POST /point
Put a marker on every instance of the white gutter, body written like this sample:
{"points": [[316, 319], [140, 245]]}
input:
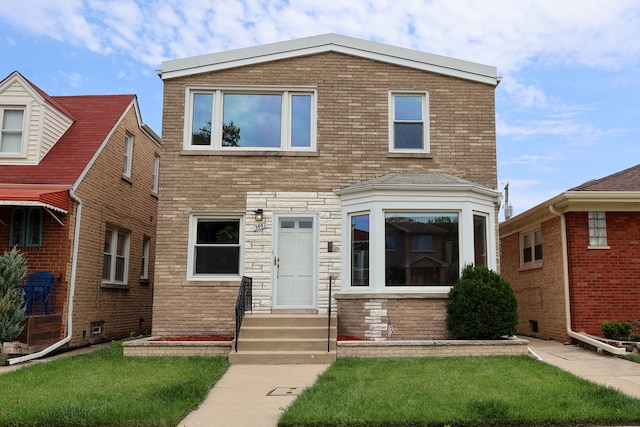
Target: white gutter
{"points": [[72, 289], [567, 302]]}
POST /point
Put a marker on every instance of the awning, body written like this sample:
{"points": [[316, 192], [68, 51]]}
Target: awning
{"points": [[54, 199]]}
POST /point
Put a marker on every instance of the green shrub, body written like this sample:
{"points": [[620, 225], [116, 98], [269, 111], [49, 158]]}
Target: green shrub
{"points": [[615, 330], [481, 305], [13, 268]]}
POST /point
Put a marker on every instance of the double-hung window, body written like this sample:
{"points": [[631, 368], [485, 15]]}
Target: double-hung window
{"points": [[128, 155], [215, 247], [408, 122], [12, 121], [237, 119], [531, 248], [26, 227], [155, 174], [116, 256]]}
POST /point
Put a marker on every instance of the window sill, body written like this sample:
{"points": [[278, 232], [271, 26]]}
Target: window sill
{"points": [[115, 286], [278, 153], [530, 267], [598, 247], [392, 295], [127, 179], [411, 155]]}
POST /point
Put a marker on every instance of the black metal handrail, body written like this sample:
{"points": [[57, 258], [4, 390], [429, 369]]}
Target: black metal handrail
{"points": [[244, 302], [329, 317]]}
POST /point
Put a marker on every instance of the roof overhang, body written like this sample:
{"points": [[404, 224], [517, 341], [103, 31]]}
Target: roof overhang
{"points": [[330, 43], [573, 201], [56, 199]]}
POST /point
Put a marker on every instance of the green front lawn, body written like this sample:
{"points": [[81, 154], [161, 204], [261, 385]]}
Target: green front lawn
{"points": [[457, 391], [104, 388]]}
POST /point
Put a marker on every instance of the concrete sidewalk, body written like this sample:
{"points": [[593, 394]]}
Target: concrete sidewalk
{"points": [[599, 368], [252, 395]]}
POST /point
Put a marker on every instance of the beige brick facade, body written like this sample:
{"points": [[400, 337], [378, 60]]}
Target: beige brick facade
{"points": [[352, 146]]}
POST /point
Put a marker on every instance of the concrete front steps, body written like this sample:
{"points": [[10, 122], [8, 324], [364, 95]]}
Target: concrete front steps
{"points": [[279, 339]]}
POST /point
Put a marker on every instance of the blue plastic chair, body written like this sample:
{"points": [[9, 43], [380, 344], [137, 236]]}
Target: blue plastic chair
{"points": [[37, 292]]}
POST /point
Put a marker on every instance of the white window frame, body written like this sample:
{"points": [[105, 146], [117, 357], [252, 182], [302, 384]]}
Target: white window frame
{"points": [[128, 155], [22, 131], [144, 268], [113, 253], [155, 174], [531, 234], [218, 93], [424, 94], [460, 202], [597, 229], [193, 234]]}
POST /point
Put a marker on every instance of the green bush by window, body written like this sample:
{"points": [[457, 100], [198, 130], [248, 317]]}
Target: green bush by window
{"points": [[481, 305], [615, 330]]}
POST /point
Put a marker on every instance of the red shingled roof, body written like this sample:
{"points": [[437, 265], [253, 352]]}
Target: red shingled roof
{"points": [[96, 116]]}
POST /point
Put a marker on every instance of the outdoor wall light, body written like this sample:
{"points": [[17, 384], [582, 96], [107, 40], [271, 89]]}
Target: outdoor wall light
{"points": [[259, 215]]}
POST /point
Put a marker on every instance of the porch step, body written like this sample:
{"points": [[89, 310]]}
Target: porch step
{"points": [[276, 339]]}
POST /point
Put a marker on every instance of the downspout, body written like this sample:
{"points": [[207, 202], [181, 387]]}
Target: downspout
{"points": [[567, 302], [72, 288]]}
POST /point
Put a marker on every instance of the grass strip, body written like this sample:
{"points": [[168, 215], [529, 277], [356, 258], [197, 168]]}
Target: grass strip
{"points": [[456, 391], [104, 388]]}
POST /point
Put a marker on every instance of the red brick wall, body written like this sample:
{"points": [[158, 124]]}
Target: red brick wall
{"points": [[604, 283]]}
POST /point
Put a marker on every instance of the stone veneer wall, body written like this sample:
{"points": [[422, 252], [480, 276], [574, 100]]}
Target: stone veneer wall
{"points": [[259, 251]]}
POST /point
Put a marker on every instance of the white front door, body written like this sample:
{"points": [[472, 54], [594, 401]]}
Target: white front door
{"points": [[295, 263]]}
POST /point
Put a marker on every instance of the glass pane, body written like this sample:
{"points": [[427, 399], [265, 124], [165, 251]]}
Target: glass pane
{"points": [[122, 244], [218, 232], [18, 226], [287, 224], [408, 107], [301, 121], [480, 240], [252, 120], [538, 252], [35, 226], [217, 260], [202, 116], [106, 267], [107, 241], [405, 266], [527, 254], [360, 250], [120, 263], [12, 120], [306, 224], [408, 135]]}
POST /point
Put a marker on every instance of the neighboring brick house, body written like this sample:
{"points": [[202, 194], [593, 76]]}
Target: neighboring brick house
{"points": [[574, 260], [324, 159], [78, 197]]}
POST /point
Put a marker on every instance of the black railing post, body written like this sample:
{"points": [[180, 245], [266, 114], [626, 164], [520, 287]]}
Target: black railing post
{"points": [[244, 302], [329, 317]]}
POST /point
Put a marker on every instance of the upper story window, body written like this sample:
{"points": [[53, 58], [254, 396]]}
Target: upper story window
{"points": [[11, 130], [26, 227], [128, 156], [597, 229], [408, 122], [155, 174], [251, 119], [531, 248]]}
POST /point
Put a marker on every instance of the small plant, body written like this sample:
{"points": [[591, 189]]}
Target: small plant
{"points": [[481, 305], [615, 330], [634, 337], [13, 268]]}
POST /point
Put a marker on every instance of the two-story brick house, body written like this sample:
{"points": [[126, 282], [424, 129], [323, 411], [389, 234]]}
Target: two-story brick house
{"points": [[78, 197], [320, 160], [573, 260]]}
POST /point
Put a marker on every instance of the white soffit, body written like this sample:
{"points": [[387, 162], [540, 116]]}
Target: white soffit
{"points": [[330, 43]]}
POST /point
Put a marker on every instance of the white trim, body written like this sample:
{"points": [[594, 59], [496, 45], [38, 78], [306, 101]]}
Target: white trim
{"points": [[424, 95], [191, 242], [31, 203], [217, 109], [329, 43], [276, 232]]}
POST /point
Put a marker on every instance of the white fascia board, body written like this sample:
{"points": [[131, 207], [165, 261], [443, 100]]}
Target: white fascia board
{"points": [[330, 43]]}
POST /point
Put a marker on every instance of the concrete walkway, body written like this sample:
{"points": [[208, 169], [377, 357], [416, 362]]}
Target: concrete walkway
{"points": [[252, 395], [603, 369]]}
